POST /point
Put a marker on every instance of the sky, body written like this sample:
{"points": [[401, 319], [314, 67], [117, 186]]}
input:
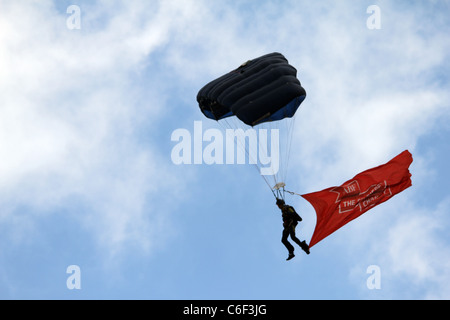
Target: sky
{"points": [[92, 91]]}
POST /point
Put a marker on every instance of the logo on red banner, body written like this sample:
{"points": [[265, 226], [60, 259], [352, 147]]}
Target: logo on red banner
{"points": [[350, 196]]}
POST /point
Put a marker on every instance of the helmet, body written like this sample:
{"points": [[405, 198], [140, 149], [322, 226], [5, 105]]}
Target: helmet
{"points": [[280, 201]]}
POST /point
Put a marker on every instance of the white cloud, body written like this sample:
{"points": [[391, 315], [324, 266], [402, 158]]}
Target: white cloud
{"points": [[411, 249], [415, 248], [70, 120], [70, 111], [371, 93]]}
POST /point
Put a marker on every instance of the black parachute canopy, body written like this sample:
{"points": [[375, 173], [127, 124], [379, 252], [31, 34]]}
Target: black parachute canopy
{"points": [[260, 90]]}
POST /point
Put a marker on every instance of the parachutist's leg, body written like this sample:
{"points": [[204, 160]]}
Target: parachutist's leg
{"points": [[293, 237], [302, 244], [285, 241]]}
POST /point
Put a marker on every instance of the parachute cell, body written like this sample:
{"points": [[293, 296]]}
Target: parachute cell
{"points": [[261, 90]]}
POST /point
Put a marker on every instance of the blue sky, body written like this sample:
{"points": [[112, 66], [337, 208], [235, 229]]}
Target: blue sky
{"points": [[87, 179]]}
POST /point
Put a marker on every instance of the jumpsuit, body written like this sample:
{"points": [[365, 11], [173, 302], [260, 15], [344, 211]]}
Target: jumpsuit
{"points": [[290, 221]]}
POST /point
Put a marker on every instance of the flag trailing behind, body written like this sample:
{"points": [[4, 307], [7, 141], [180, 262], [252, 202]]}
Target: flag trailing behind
{"points": [[337, 206]]}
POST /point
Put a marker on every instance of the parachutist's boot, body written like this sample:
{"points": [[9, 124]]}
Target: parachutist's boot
{"points": [[291, 255], [305, 247]]}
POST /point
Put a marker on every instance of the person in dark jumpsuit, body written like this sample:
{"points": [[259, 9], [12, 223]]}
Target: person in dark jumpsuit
{"points": [[290, 221]]}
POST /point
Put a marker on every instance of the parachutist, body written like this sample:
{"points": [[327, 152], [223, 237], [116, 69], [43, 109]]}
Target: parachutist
{"points": [[290, 221]]}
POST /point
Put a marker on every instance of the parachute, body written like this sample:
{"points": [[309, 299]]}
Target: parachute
{"points": [[262, 93], [260, 90]]}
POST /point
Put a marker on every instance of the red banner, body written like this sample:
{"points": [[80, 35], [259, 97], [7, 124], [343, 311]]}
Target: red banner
{"points": [[337, 206]]}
